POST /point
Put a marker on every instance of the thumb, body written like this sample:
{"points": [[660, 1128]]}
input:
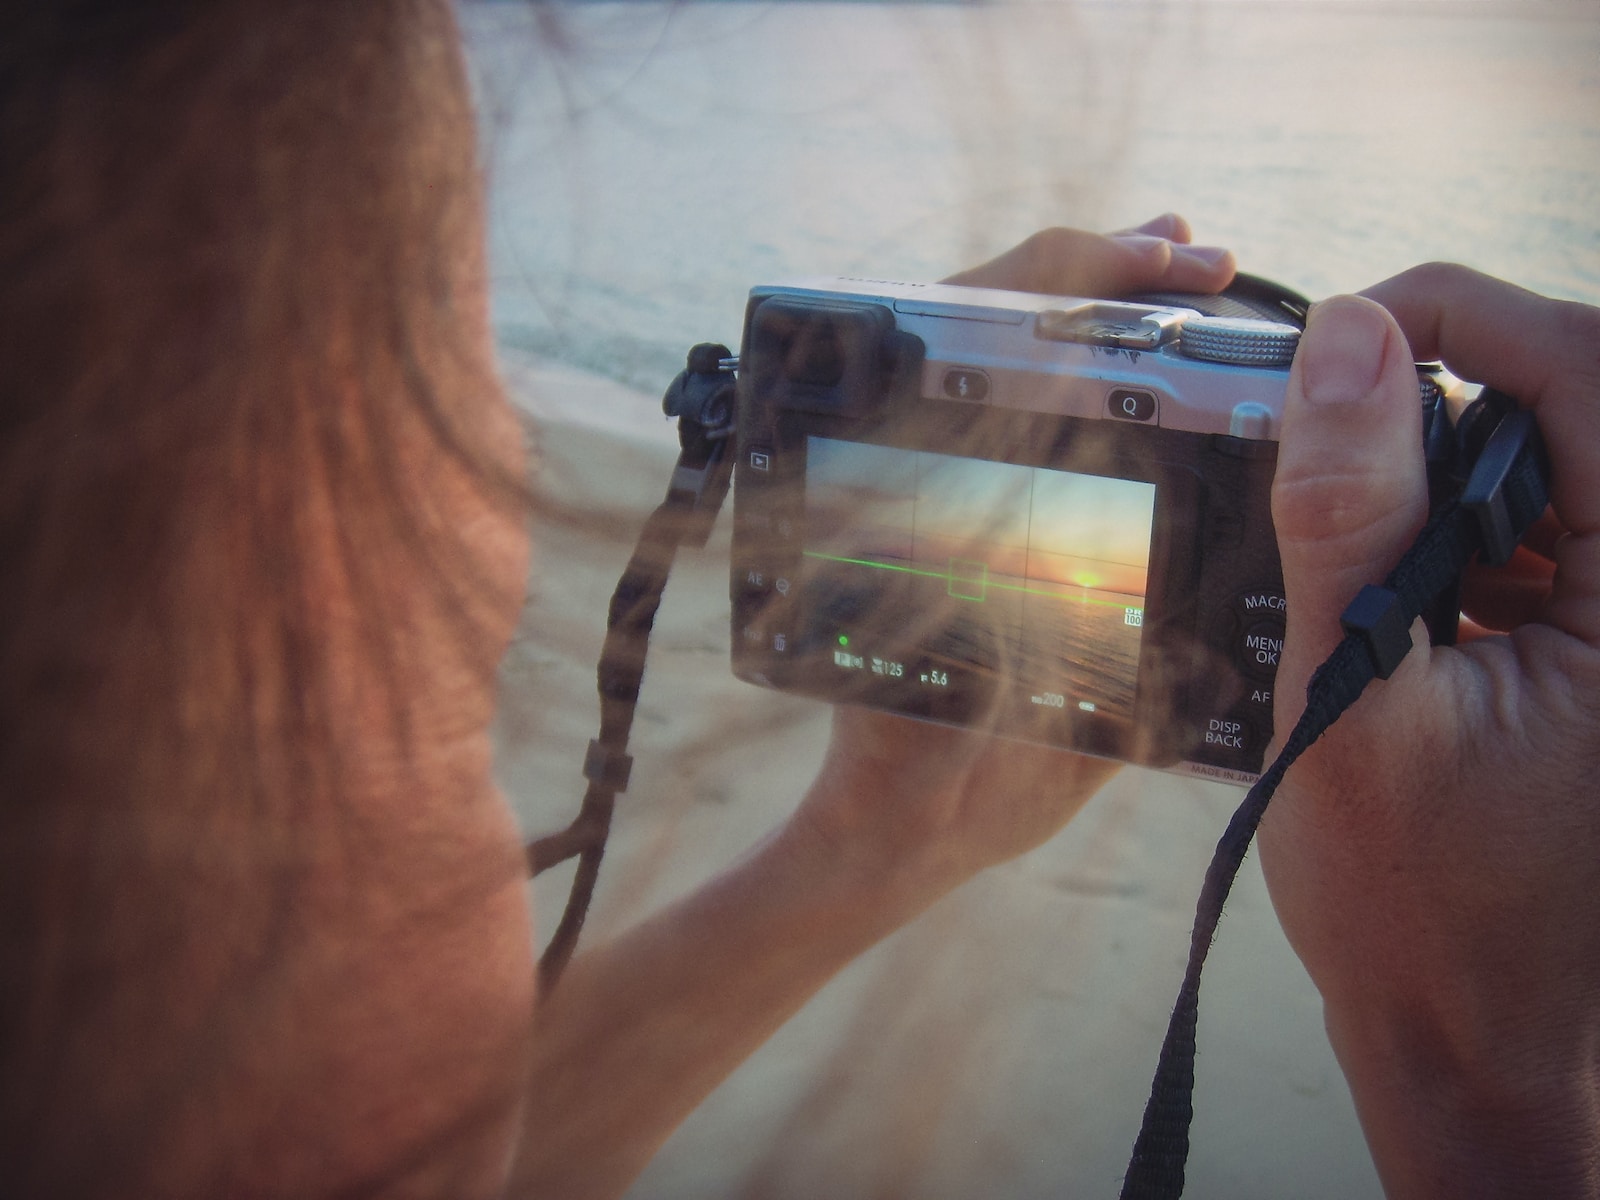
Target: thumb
{"points": [[1350, 492]]}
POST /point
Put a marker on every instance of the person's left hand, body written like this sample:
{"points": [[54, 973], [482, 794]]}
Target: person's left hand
{"points": [[1155, 256], [928, 805]]}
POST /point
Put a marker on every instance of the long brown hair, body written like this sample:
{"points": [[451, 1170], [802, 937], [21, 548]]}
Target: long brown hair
{"points": [[241, 342]]}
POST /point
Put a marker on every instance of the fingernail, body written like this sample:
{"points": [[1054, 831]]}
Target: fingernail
{"points": [[1206, 256], [1341, 354], [1139, 241], [1163, 225]]}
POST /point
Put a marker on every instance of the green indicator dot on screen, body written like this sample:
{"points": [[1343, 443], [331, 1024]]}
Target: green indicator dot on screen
{"points": [[844, 640]]}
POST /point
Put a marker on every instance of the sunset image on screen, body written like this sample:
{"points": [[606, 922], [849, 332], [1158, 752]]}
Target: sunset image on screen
{"points": [[1037, 573], [1032, 529]]}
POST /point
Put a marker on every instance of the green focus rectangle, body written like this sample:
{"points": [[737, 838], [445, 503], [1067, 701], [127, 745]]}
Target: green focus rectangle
{"points": [[965, 574]]}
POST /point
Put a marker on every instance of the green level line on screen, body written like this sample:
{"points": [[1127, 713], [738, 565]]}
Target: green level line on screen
{"points": [[987, 583]]}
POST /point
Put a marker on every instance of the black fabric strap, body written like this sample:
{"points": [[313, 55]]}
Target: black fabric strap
{"points": [[607, 765], [701, 398], [1370, 648]]}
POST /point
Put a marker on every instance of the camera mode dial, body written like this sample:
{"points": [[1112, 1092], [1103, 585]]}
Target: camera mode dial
{"points": [[1238, 341]]}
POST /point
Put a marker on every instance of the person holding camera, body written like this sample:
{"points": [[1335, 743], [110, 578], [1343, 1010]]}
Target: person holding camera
{"points": [[262, 908]]}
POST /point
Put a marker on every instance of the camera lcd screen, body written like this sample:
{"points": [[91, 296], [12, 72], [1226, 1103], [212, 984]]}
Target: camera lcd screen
{"points": [[953, 585]]}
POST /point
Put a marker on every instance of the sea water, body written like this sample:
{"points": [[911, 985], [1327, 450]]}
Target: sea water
{"points": [[649, 162]]}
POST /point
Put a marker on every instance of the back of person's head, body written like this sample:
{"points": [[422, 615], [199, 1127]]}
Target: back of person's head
{"points": [[260, 551]]}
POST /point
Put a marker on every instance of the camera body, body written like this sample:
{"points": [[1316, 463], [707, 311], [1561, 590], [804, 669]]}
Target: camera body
{"points": [[1045, 517]]}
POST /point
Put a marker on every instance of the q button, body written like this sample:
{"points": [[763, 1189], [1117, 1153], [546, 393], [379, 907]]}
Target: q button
{"points": [[1131, 404]]}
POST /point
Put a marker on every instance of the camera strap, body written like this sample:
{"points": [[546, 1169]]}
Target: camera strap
{"points": [[1505, 492], [701, 397]]}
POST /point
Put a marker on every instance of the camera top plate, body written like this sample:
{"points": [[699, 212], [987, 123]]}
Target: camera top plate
{"points": [[1163, 365]]}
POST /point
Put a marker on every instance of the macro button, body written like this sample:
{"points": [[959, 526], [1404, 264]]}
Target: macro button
{"points": [[963, 383], [1131, 404], [1262, 602]]}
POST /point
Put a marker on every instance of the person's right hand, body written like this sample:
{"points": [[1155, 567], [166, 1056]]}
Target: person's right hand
{"points": [[1435, 858]]}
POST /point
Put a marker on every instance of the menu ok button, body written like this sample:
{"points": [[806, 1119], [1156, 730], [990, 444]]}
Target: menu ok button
{"points": [[1260, 647]]}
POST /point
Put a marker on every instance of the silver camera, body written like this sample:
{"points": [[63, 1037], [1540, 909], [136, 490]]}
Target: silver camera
{"points": [[1047, 517]]}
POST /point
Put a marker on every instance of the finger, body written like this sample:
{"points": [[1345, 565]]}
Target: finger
{"points": [[1502, 598], [1574, 604], [1546, 353], [1543, 535], [1168, 225], [1073, 262], [1350, 490]]}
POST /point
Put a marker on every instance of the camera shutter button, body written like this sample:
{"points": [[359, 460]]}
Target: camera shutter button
{"points": [[1239, 341]]}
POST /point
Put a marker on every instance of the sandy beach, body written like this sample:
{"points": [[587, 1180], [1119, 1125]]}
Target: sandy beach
{"points": [[999, 1046]]}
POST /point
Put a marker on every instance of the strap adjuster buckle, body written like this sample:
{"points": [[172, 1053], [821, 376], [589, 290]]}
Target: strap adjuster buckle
{"points": [[1378, 618], [606, 767], [1484, 495]]}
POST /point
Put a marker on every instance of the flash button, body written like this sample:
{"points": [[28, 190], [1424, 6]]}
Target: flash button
{"points": [[966, 384]]}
